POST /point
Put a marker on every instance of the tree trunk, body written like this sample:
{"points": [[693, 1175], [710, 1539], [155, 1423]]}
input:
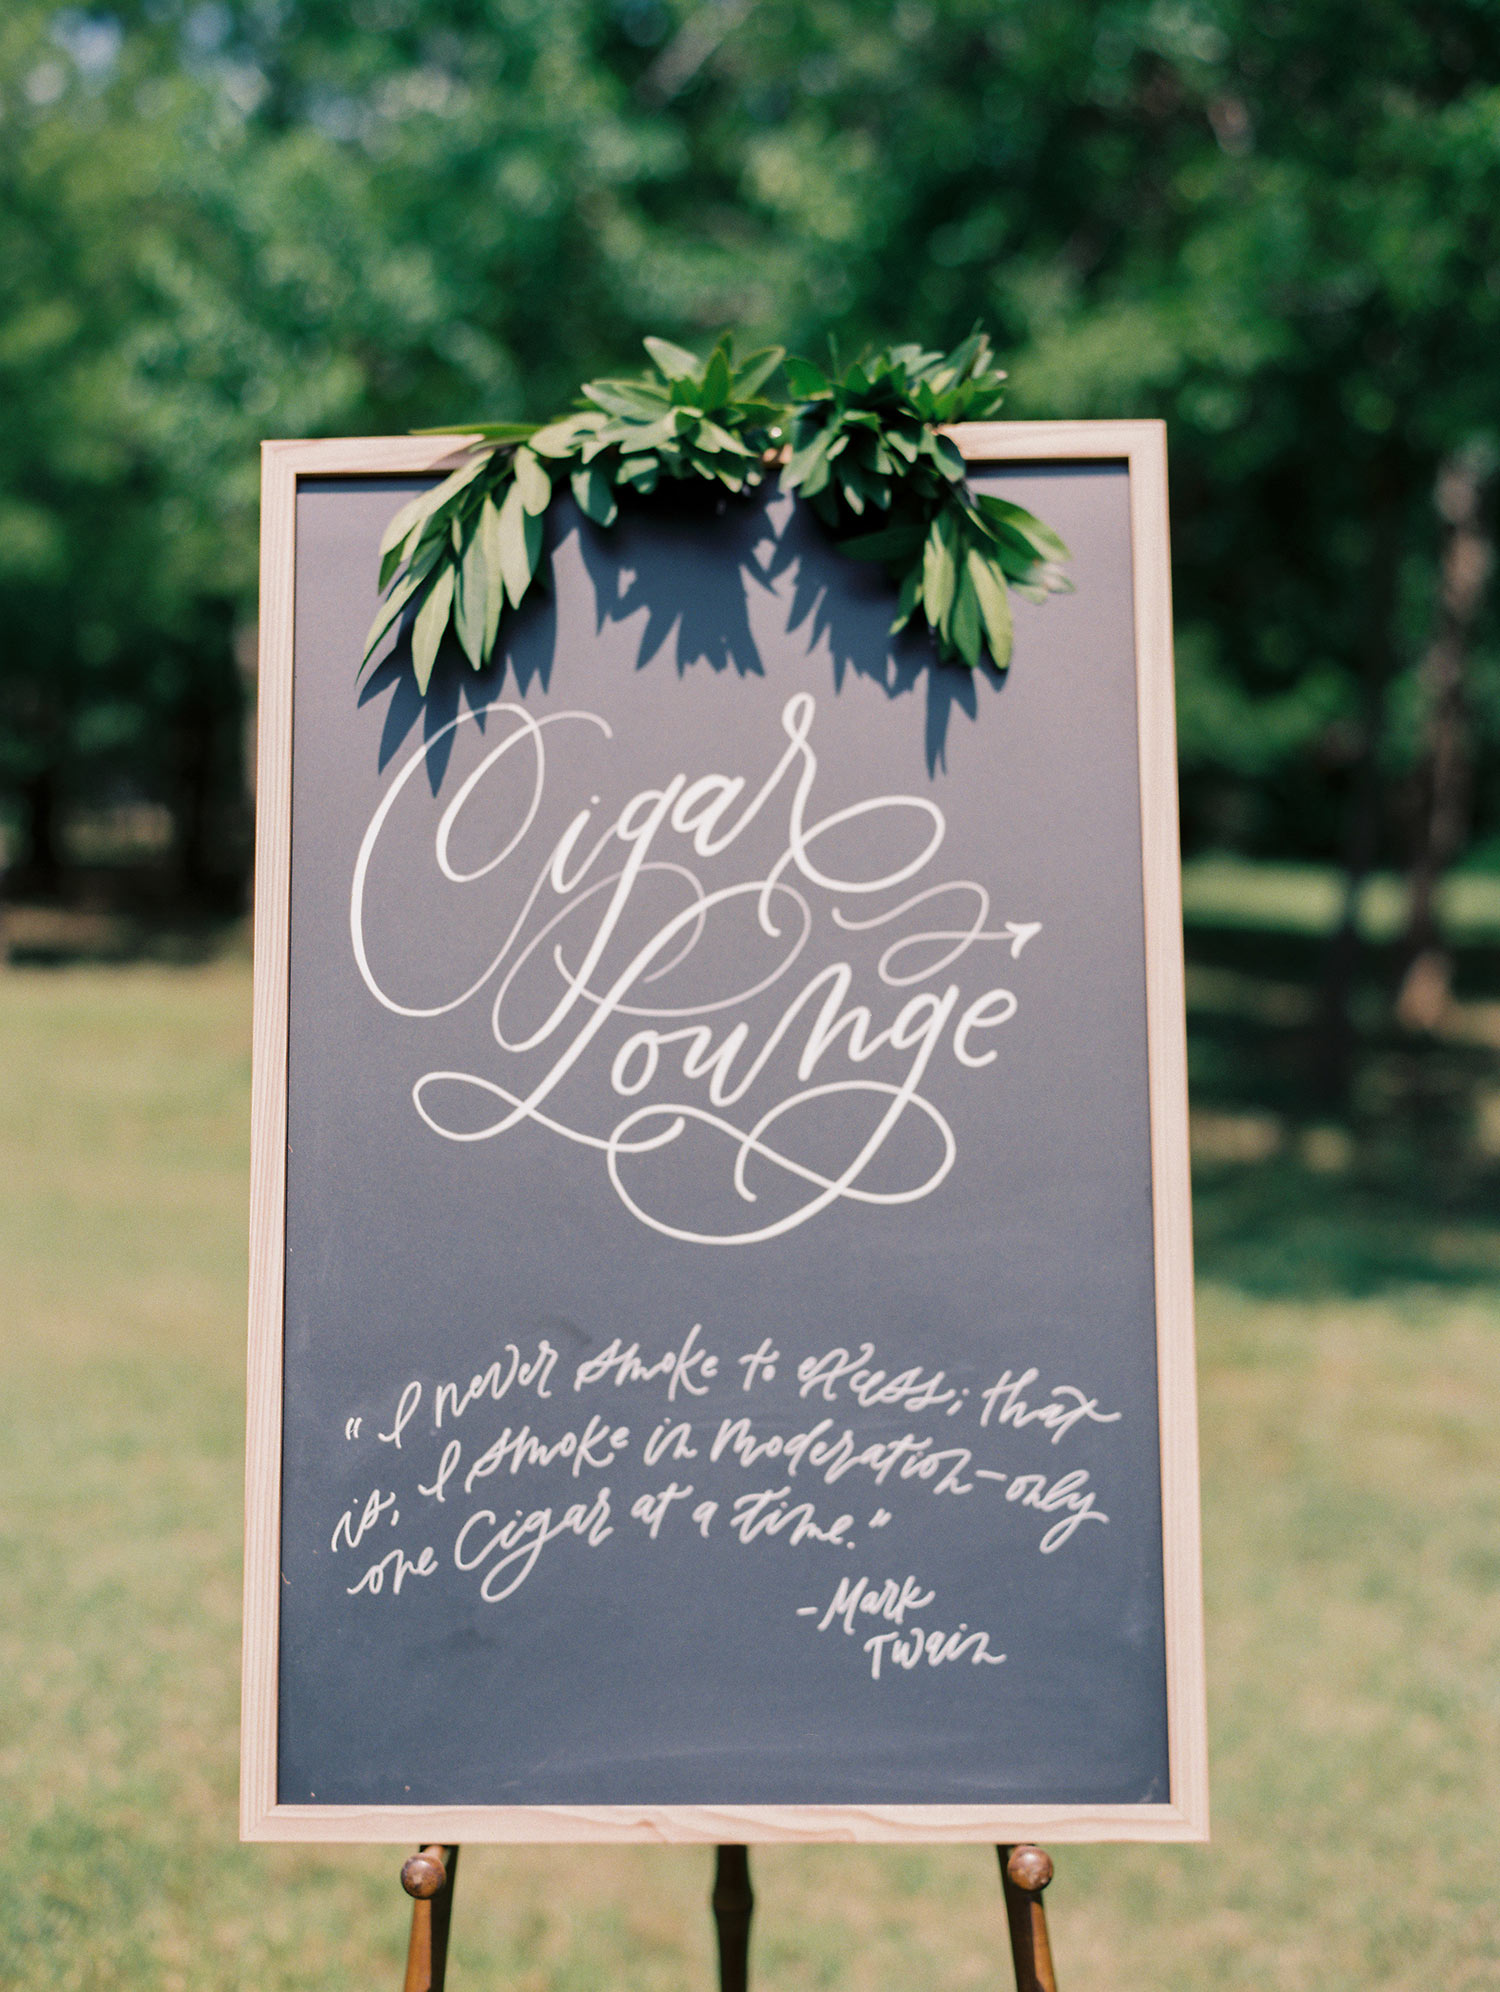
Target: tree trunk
{"points": [[1334, 1064], [41, 866], [1444, 780], [195, 770]]}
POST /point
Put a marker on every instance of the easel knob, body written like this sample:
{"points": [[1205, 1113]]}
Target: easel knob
{"points": [[424, 1874], [1029, 1868]]}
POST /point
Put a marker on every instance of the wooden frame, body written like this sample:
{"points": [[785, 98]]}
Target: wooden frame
{"points": [[1142, 447]]}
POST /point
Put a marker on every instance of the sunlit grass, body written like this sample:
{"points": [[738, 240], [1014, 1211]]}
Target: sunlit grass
{"points": [[1308, 899], [1352, 1481]]}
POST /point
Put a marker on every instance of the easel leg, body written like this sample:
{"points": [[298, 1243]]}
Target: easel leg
{"points": [[1025, 1872], [733, 1901], [428, 1878]]}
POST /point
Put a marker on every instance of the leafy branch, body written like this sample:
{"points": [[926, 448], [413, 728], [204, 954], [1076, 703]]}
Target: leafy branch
{"points": [[863, 446], [866, 444]]}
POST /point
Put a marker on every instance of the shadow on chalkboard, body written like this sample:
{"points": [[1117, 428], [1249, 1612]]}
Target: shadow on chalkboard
{"points": [[854, 620], [700, 622], [455, 686], [771, 544]]}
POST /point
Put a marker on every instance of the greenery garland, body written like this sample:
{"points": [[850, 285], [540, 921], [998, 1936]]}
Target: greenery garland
{"points": [[863, 445]]}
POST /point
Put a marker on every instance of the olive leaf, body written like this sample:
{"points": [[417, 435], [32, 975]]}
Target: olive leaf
{"points": [[427, 631], [863, 445]]}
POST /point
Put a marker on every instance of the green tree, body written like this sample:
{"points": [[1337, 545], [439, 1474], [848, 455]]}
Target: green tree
{"points": [[1274, 224]]}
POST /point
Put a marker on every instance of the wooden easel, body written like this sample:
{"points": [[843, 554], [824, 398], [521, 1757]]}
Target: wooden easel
{"points": [[429, 1878]]}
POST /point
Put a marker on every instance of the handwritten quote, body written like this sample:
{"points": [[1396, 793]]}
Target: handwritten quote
{"points": [[679, 1429]]}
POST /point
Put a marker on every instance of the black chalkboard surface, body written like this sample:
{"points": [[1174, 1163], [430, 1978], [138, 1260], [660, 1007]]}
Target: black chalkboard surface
{"points": [[720, 1114]]}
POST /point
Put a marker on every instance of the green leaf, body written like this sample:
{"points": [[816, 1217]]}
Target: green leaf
{"points": [[409, 551], [492, 432], [650, 435], [806, 380], [390, 609], [562, 439], [993, 599], [535, 529], [761, 414], [911, 359], [909, 599], [515, 561], [949, 459], [533, 483], [411, 515], [1026, 524], [488, 531], [427, 502], [421, 564], [397, 556], [939, 573], [635, 401], [712, 437], [806, 469], [675, 362], [640, 473], [471, 601], [427, 630], [718, 381], [964, 623], [595, 499], [755, 370], [969, 356]]}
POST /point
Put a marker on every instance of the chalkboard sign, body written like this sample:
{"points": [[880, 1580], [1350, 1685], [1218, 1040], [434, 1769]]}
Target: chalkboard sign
{"points": [[721, 1340]]}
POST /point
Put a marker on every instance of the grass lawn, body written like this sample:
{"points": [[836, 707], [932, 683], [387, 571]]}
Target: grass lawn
{"points": [[1350, 1342], [1304, 898]]}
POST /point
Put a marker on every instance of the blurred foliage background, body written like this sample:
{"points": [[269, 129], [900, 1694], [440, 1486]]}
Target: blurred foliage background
{"points": [[1273, 222]]}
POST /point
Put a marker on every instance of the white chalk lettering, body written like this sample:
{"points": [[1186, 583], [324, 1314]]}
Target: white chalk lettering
{"points": [[1067, 1406], [522, 1540], [598, 918], [398, 1566]]}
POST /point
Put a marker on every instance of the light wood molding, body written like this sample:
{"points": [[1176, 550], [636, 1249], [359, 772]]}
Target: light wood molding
{"points": [[749, 1825]]}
